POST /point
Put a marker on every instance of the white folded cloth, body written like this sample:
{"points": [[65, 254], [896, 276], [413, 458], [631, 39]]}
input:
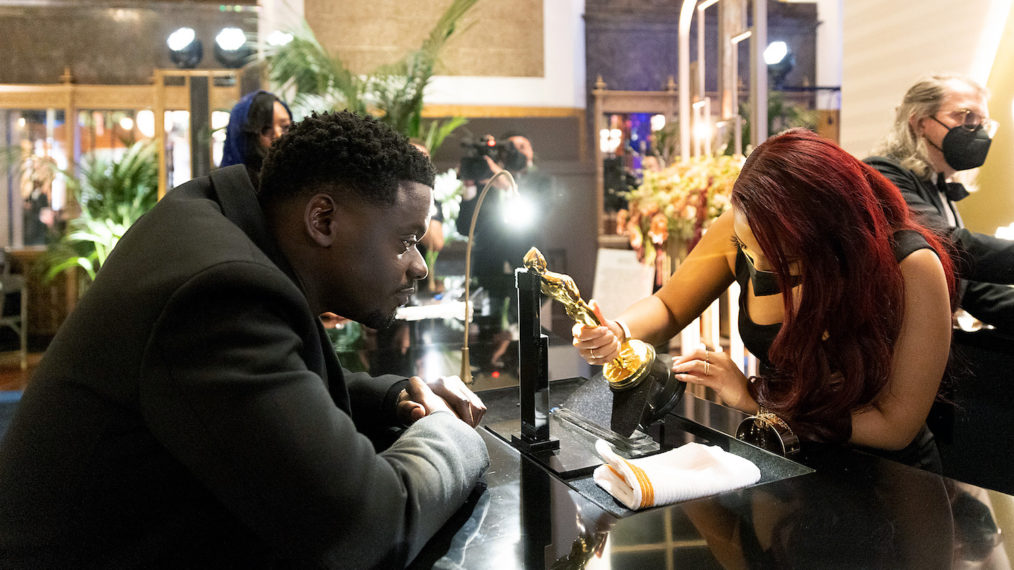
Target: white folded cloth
{"points": [[687, 472]]}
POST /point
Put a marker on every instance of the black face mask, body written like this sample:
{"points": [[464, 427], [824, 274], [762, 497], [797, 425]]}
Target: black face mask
{"points": [[765, 283], [964, 149]]}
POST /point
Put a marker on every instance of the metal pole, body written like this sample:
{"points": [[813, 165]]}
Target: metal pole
{"points": [[686, 17], [759, 74]]}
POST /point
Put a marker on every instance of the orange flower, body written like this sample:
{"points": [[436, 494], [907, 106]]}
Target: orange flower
{"points": [[659, 229], [621, 221]]}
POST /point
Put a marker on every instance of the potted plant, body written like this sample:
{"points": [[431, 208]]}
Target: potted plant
{"points": [[316, 79], [112, 194]]}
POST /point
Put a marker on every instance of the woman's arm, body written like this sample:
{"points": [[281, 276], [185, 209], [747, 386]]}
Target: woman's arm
{"points": [[920, 356], [700, 279]]}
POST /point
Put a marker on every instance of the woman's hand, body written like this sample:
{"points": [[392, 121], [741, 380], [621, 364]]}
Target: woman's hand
{"points": [[601, 344], [716, 370]]}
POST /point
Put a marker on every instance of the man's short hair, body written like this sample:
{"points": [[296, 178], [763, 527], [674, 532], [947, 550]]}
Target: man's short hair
{"points": [[342, 151]]}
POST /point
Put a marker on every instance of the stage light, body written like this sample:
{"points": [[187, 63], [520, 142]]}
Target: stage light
{"points": [[775, 52], [231, 47], [518, 212], [185, 50], [780, 61]]}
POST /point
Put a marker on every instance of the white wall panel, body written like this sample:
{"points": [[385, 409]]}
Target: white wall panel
{"points": [[562, 86], [888, 46]]}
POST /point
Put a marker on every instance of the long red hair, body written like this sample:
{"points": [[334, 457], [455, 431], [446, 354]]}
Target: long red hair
{"points": [[808, 200]]}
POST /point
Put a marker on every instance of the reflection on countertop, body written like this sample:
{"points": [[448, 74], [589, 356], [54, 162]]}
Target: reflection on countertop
{"points": [[837, 508]]}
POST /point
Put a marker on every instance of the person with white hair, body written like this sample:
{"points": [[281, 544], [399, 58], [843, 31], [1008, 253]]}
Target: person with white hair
{"points": [[942, 127]]}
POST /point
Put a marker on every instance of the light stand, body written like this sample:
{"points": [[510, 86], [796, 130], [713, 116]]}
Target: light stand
{"points": [[466, 366]]}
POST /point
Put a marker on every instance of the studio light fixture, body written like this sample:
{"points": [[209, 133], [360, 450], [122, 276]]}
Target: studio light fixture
{"points": [[185, 50], [231, 47], [775, 52], [780, 61]]}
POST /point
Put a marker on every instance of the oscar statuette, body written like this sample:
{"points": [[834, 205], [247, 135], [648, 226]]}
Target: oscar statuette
{"points": [[644, 388]]}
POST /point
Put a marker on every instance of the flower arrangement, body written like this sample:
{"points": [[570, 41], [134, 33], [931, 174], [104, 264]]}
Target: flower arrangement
{"points": [[672, 208], [447, 191]]}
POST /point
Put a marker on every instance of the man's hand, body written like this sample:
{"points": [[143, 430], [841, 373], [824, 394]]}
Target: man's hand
{"points": [[502, 183], [449, 393], [462, 401]]}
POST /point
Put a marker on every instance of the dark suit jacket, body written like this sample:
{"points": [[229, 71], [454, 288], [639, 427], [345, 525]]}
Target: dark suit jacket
{"points": [[191, 412], [984, 263]]}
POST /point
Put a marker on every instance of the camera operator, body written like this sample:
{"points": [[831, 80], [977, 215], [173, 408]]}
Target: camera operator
{"points": [[507, 225]]}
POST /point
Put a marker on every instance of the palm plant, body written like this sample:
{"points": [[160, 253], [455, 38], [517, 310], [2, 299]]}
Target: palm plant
{"points": [[112, 193], [394, 92]]}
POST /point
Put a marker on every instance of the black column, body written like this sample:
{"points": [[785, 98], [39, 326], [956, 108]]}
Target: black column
{"points": [[200, 128]]}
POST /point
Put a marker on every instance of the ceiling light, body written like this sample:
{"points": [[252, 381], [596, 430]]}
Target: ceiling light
{"points": [[231, 47], [775, 52], [185, 50]]}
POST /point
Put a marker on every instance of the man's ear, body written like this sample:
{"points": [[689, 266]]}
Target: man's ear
{"points": [[320, 219], [915, 124]]}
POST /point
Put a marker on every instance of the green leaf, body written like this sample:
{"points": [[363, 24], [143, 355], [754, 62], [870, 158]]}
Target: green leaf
{"points": [[113, 193], [393, 92]]}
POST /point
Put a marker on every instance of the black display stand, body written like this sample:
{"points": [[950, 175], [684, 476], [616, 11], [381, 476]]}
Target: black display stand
{"points": [[559, 444]]}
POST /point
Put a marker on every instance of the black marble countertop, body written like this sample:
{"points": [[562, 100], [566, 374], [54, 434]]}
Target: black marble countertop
{"points": [[830, 508]]}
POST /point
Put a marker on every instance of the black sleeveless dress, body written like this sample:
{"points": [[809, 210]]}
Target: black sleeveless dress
{"points": [[922, 451]]}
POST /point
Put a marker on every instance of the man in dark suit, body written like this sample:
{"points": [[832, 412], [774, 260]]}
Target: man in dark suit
{"points": [[191, 411], [943, 127]]}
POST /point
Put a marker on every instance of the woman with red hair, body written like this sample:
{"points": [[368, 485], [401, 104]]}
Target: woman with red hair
{"points": [[845, 300]]}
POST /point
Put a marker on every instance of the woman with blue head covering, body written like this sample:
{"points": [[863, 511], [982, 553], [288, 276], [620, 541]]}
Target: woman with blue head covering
{"points": [[254, 123]]}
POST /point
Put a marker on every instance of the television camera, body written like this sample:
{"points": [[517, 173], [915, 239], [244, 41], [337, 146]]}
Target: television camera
{"points": [[505, 154]]}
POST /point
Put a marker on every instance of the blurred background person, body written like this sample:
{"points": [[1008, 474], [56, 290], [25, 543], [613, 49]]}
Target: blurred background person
{"points": [[506, 227], [254, 123]]}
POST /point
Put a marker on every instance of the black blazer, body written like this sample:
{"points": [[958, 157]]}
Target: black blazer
{"points": [[984, 263], [191, 412]]}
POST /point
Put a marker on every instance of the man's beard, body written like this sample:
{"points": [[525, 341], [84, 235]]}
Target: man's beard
{"points": [[377, 320]]}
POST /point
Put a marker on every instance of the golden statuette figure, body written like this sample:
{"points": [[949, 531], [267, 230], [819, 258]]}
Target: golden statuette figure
{"points": [[636, 357]]}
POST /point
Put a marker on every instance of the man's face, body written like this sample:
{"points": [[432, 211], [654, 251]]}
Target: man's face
{"points": [[524, 147], [960, 100], [375, 260]]}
